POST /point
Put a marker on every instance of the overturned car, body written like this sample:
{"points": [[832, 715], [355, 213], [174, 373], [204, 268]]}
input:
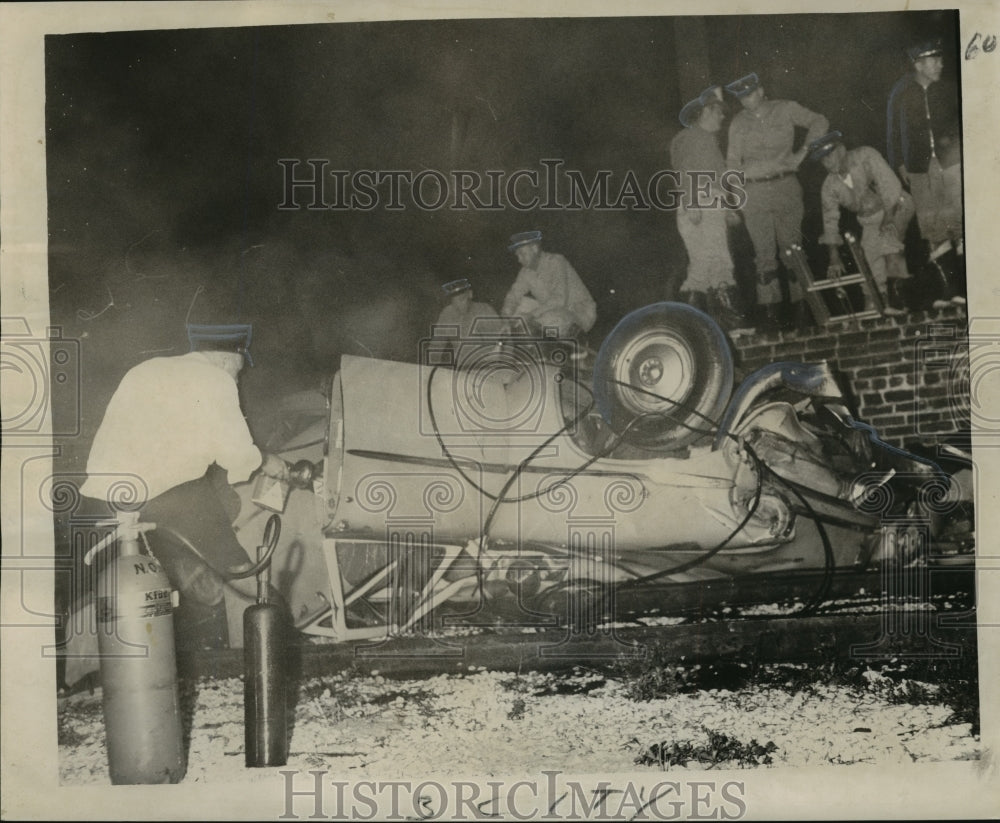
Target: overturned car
{"points": [[505, 469]]}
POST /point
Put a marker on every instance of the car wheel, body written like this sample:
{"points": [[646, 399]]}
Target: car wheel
{"points": [[663, 376]]}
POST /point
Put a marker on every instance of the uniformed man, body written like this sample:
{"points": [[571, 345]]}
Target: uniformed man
{"points": [[547, 292], [704, 217], [861, 181], [174, 435], [462, 319], [761, 142], [924, 146]]}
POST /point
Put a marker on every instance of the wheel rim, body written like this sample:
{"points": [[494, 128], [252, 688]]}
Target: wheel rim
{"points": [[658, 369], [663, 372]]}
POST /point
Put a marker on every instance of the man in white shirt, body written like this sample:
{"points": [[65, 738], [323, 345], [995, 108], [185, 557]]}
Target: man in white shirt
{"points": [[547, 292], [172, 426]]}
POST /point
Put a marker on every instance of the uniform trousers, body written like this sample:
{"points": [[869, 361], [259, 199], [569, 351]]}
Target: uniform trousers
{"points": [[937, 196], [773, 215]]}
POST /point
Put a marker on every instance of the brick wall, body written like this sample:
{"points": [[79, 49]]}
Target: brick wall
{"points": [[909, 375]]}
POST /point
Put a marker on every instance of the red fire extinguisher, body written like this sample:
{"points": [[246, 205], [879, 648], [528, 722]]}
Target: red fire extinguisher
{"points": [[135, 625]]}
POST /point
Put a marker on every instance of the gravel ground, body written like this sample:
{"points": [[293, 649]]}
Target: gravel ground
{"points": [[495, 724]]}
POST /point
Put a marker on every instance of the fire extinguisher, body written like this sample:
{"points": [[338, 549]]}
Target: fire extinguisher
{"points": [[135, 625], [265, 681]]}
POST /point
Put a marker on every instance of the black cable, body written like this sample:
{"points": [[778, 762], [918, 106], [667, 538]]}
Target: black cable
{"points": [[620, 438], [668, 416], [697, 561], [229, 574], [829, 560], [441, 443], [760, 466], [500, 498]]}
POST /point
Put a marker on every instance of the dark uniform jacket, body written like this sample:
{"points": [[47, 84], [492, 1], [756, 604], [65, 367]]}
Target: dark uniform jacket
{"points": [[914, 116]]}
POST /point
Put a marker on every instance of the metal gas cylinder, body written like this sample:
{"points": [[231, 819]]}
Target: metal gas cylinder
{"points": [[265, 680], [142, 716]]}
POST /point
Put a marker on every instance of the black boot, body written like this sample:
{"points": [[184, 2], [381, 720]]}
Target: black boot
{"points": [[770, 317], [729, 309], [893, 297], [948, 270], [802, 319]]}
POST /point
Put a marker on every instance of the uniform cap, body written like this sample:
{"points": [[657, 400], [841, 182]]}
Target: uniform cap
{"points": [[523, 238], [928, 48], [822, 146], [693, 108], [743, 86], [233, 337], [454, 287]]}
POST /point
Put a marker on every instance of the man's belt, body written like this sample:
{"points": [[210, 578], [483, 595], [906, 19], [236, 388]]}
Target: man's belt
{"points": [[770, 177]]}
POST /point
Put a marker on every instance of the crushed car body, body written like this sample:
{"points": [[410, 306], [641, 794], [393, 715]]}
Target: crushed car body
{"points": [[524, 474]]}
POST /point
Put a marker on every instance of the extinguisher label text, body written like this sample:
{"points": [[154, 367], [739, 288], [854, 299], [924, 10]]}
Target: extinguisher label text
{"points": [[150, 567], [141, 605]]}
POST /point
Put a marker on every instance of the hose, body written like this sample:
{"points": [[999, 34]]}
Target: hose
{"points": [[229, 574]]}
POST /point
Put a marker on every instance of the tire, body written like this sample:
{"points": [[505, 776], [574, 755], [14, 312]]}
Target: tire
{"points": [[663, 376]]}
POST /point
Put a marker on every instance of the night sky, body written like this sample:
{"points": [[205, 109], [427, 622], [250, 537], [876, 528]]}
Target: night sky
{"points": [[164, 182]]}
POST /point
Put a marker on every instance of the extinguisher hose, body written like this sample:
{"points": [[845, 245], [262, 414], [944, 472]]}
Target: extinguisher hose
{"points": [[230, 574]]}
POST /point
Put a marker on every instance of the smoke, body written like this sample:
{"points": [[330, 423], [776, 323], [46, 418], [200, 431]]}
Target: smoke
{"points": [[163, 174]]}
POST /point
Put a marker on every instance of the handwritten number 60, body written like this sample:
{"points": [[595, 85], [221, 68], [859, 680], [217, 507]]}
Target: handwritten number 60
{"points": [[989, 44]]}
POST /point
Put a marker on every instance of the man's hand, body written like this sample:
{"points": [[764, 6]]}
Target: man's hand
{"points": [[693, 216], [888, 223], [836, 266], [732, 217], [795, 160], [274, 466], [766, 277], [904, 176]]}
